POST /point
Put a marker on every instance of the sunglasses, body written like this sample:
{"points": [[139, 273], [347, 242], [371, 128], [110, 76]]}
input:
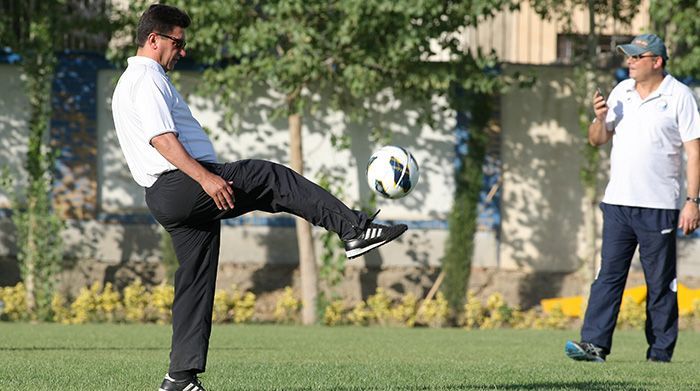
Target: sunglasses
{"points": [[641, 56], [179, 43]]}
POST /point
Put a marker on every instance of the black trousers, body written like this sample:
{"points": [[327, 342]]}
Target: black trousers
{"points": [[654, 231], [192, 219]]}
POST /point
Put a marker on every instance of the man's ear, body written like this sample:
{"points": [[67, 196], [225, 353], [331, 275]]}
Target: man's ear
{"points": [[152, 41], [658, 62]]}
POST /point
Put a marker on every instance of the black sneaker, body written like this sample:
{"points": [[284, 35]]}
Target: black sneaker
{"points": [[373, 236], [170, 384], [584, 351]]}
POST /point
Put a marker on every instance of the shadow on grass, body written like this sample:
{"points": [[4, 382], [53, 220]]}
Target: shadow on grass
{"points": [[590, 386], [108, 348], [561, 385]]}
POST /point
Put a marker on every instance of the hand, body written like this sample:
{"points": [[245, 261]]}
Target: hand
{"points": [[219, 190], [689, 218], [600, 107]]}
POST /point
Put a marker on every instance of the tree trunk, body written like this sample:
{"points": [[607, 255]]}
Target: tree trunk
{"points": [[588, 268], [591, 234], [307, 258], [30, 256]]}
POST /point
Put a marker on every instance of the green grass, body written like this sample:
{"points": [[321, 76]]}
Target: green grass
{"points": [[257, 357]]}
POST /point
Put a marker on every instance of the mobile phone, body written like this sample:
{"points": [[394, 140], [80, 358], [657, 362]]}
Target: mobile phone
{"points": [[600, 92]]}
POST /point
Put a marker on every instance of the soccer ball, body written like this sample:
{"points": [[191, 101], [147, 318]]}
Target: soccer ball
{"points": [[392, 172]]}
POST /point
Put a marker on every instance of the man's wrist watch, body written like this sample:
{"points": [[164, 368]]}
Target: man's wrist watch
{"points": [[695, 200]]}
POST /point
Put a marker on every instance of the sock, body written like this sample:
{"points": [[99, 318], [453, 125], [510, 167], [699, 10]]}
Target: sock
{"points": [[181, 375]]}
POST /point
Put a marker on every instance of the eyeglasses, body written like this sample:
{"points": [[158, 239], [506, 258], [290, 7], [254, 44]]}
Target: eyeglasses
{"points": [[641, 56], [179, 43]]}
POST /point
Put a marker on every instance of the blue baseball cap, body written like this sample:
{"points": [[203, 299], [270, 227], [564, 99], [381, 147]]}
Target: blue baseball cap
{"points": [[645, 43]]}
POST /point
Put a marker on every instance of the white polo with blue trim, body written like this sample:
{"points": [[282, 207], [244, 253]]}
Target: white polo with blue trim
{"points": [[647, 147]]}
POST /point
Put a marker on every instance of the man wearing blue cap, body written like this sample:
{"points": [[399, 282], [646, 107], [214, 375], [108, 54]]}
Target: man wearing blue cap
{"points": [[651, 119]]}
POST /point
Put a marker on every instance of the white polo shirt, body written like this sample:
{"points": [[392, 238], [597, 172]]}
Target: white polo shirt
{"points": [[145, 104], [647, 151]]}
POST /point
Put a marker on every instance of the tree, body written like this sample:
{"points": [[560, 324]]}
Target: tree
{"points": [[346, 51], [456, 265], [676, 21], [27, 27], [599, 13], [36, 30]]}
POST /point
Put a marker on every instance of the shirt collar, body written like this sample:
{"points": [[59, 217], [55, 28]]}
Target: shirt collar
{"points": [[665, 88], [146, 61]]}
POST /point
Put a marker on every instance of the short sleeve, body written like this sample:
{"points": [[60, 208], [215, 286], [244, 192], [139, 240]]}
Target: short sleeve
{"points": [[688, 117], [153, 100]]}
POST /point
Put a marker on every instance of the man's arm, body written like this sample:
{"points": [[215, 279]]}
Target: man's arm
{"points": [[172, 150], [597, 133], [690, 214]]}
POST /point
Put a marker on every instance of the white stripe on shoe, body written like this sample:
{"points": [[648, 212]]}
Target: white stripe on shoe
{"points": [[359, 251], [373, 233]]}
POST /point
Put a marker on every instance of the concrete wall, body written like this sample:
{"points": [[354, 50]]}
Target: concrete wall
{"points": [[532, 250], [121, 241], [542, 207], [263, 138], [542, 238]]}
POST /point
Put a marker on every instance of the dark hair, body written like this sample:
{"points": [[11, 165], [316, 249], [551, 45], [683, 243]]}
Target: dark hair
{"points": [[160, 18]]}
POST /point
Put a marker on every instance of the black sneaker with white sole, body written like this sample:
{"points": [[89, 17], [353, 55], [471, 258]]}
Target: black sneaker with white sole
{"points": [[373, 236], [584, 351], [170, 384]]}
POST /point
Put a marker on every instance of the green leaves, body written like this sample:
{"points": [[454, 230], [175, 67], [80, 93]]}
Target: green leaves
{"points": [[351, 49], [622, 11], [678, 23], [34, 34]]}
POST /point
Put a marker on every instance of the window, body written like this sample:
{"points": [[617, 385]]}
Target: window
{"points": [[571, 47]]}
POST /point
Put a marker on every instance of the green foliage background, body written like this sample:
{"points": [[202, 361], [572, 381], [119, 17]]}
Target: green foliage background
{"points": [[30, 32], [356, 56], [677, 22]]}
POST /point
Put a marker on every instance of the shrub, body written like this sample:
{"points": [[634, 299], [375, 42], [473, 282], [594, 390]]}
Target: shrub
{"points": [[524, 319], [109, 305], [84, 308], [632, 314], [473, 312], [556, 319], [499, 314], [136, 300], [243, 306], [137, 304], [287, 307], [161, 303], [333, 314], [406, 310], [220, 313], [379, 306], [360, 315], [14, 300], [59, 308], [433, 313]]}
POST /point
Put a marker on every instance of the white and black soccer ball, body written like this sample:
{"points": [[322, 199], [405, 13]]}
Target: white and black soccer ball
{"points": [[392, 172]]}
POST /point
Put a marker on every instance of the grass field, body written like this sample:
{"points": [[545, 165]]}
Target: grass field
{"points": [[266, 357]]}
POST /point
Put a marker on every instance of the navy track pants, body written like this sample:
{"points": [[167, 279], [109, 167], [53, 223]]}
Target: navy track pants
{"points": [[654, 231]]}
